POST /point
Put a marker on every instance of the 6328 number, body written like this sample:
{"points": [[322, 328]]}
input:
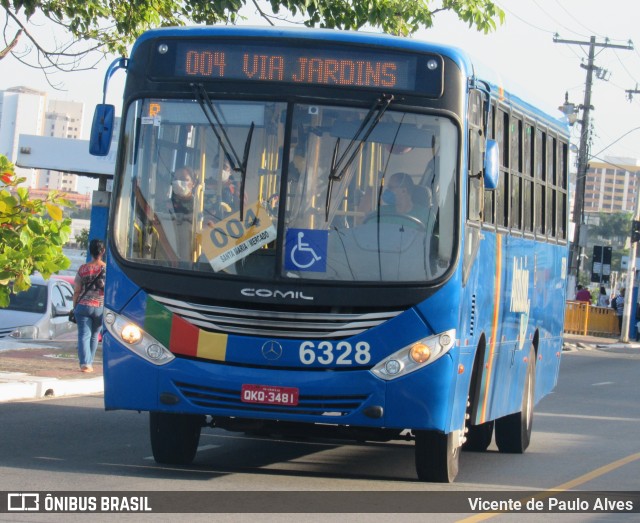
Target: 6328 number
{"points": [[342, 353]]}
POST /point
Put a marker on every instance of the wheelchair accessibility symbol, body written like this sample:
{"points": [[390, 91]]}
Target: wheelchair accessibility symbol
{"points": [[306, 250]]}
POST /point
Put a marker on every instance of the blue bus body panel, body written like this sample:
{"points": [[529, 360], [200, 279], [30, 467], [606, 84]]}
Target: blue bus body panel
{"points": [[419, 400], [119, 289], [513, 299]]}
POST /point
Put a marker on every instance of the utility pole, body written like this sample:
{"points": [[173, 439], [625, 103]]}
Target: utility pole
{"points": [[631, 275], [631, 92], [583, 152]]}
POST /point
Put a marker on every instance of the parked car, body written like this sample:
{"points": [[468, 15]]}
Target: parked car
{"points": [[40, 313]]}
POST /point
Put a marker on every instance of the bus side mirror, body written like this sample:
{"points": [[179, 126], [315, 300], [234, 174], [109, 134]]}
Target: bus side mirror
{"points": [[491, 170], [101, 130]]}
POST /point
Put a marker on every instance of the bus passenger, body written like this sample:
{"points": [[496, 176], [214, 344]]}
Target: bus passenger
{"points": [[182, 208], [221, 196], [182, 194]]}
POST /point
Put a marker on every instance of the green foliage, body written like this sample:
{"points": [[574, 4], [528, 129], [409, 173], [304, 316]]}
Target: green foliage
{"points": [[613, 227], [82, 239], [32, 233], [114, 24]]}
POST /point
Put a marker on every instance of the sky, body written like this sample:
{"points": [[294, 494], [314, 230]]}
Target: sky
{"points": [[522, 49]]}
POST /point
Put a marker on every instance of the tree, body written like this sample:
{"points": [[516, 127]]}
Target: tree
{"points": [[110, 26], [32, 233], [82, 239], [614, 227]]}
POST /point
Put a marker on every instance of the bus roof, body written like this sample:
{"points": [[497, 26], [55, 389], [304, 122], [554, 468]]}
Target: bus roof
{"points": [[503, 88]]}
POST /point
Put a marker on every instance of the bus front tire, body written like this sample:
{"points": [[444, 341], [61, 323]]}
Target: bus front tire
{"points": [[513, 432], [174, 437], [437, 456]]}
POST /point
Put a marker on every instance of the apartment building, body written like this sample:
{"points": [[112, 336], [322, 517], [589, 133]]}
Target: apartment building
{"points": [[22, 111], [62, 120], [611, 186], [27, 111]]}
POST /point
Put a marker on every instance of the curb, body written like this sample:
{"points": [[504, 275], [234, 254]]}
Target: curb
{"points": [[573, 346], [22, 386]]}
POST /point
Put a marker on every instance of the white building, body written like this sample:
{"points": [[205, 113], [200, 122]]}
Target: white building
{"points": [[22, 111], [62, 120]]}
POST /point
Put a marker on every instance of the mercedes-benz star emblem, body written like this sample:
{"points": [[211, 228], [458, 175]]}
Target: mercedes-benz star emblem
{"points": [[272, 350]]}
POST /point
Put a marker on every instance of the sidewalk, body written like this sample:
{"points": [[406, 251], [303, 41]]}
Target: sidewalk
{"points": [[39, 370], [577, 342], [34, 370]]}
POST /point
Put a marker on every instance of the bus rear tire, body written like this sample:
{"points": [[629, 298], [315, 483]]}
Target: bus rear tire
{"points": [[513, 432], [174, 437], [437, 456]]}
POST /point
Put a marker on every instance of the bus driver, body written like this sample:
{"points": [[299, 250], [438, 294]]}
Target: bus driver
{"points": [[403, 197]]}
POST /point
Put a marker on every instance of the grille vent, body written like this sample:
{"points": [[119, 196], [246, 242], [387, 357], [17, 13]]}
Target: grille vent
{"points": [[270, 323]]}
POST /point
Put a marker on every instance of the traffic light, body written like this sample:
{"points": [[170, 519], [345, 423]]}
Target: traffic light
{"points": [[635, 231]]}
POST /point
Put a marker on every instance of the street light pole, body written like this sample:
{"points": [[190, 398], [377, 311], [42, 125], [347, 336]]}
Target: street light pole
{"points": [[583, 155]]}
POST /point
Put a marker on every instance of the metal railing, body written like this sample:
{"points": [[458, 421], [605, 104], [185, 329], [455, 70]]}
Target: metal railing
{"points": [[587, 320]]}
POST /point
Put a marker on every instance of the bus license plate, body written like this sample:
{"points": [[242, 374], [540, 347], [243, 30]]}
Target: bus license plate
{"points": [[269, 395]]}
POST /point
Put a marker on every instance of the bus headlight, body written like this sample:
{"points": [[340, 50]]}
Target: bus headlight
{"points": [[136, 339], [414, 356], [131, 334]]}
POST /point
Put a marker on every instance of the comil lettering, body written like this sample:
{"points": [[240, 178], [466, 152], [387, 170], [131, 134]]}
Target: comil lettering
{"points": [[267, 293]]}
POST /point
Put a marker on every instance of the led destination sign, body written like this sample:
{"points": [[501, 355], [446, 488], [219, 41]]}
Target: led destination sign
{"points": [[330, 66]]}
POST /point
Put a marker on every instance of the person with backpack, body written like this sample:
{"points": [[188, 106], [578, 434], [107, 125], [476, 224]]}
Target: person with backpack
{"points": [[88, 303], [617, 303]]}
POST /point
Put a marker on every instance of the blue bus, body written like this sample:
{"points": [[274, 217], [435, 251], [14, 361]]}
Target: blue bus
{"points": [[334, 234]]}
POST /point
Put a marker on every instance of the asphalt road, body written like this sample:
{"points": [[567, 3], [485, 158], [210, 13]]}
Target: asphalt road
{"points": [[585, 438]]}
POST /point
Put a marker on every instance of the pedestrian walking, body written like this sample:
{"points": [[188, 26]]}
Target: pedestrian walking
{"points": [[88, 304]]}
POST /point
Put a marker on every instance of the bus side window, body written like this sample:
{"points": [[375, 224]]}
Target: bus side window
{"points": [[475, 154]]}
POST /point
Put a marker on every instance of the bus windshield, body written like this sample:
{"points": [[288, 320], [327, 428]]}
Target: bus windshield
{"points": [[258, 189]]}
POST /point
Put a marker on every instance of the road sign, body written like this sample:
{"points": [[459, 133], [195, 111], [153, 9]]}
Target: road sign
{"points": [[601, 264]]}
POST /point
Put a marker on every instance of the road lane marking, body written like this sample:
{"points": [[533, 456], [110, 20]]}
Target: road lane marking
{"points": [[200, 449], [600, 471], [584, 416]]}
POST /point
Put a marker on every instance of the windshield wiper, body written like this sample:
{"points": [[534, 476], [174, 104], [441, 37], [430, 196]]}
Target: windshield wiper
{"points": [[237, 165], [340, 165], [217, 127]]}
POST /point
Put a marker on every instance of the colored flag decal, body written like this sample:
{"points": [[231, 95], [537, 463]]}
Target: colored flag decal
{"points": [[182, 337]]}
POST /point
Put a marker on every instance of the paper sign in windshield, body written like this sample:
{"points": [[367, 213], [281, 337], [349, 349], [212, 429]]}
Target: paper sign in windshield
{"points": [[231, 239]]}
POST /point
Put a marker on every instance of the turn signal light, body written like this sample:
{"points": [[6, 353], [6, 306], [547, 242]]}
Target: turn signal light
{"points": [[420, 353]]}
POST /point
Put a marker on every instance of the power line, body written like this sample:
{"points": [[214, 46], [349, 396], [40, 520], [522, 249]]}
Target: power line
{"points": [[554, 20], [515, 15], [573, 17]]}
